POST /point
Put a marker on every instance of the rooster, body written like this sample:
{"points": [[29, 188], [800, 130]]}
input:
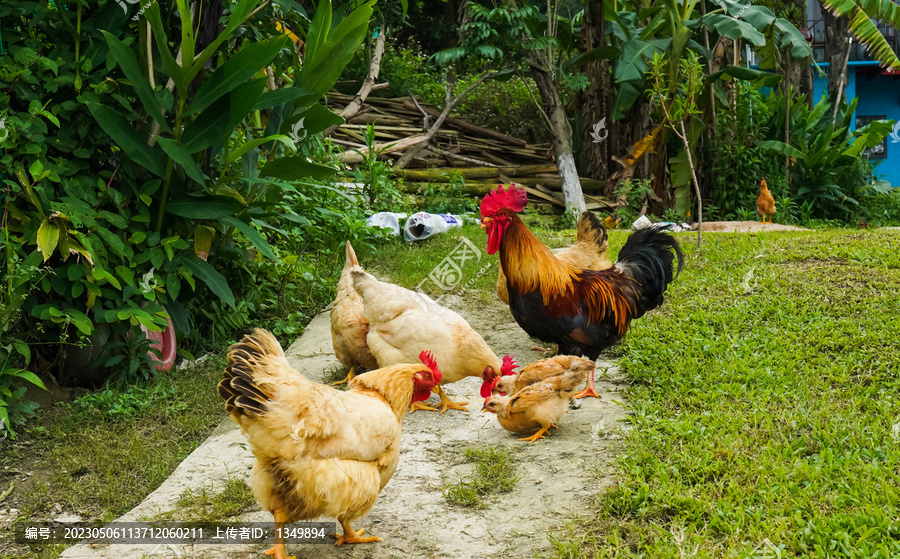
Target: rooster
{"points": [[588, 251], [583, 311], [765, 204], [319, 451]]}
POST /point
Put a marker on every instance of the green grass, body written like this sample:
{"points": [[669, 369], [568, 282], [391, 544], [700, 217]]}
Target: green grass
{"points": [[209, 505], [493, 473], [410, 265], [99, 457], [763, 398]]}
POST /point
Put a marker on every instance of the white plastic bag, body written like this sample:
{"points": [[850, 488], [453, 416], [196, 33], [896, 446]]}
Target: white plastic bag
{"points": [[386, 220], [422, 225]]}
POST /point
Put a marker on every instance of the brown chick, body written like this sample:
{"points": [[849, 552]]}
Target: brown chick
{"points": [[349, 326], [588, 252], [765, 204], [535, 372], [535, 407]]}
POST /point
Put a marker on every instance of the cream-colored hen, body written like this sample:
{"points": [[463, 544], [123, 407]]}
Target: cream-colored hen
{"points": [[349, 326], [403, 323], [319, 451]]}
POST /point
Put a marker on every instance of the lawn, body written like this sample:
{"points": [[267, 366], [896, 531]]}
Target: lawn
{"points": [[764, 401]]}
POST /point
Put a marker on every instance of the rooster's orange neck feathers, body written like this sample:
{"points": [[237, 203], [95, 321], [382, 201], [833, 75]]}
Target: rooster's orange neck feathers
{"points": [[530, 265]]}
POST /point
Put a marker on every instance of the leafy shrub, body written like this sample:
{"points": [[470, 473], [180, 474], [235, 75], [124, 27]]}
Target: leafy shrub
{"points": [[740, 163]]}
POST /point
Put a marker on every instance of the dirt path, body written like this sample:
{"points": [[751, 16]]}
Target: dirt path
{"points": [[559, 475]]}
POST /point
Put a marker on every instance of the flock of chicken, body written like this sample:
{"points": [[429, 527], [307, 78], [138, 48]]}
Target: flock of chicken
{"points": [[326, 452]]}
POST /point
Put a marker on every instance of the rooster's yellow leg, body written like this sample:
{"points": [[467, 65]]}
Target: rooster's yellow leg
{"points": [[348, 378], [277, 550], [352, 536], [448, 404], [545, 350], [588, 389], [536, 436]]}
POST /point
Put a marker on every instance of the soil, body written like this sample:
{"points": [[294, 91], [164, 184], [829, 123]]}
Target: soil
{"points": [[746, 227], [559, 476]]}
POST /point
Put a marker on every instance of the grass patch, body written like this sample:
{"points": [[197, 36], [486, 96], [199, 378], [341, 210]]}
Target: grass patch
{"points": [[209, 505], [493, 473], [763, 398], [101, 455]]}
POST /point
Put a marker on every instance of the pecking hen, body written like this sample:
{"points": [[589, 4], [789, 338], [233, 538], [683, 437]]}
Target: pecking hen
{"points": [[403, 323], [349, 326]]}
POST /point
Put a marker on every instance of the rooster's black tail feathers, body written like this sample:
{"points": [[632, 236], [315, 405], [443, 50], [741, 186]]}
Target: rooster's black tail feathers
{"points": [[648, 257]]}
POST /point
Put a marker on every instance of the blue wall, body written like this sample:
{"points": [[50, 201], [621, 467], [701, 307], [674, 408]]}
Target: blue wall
{"points": [[876, 95]]}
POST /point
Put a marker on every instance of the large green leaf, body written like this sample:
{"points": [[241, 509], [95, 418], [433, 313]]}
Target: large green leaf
{"points": [[732, 28], [47, 239], [222, 116], [129, 64], [180, 155], [632, 64], [868, 136], [297, 167], [312, 120], [132, 143], [781, 148], [253, 235], [270, 99], [767, 79], [236, 70], [238, 16], [211, 277], [626, 96], [204, 207], [233, 155], [328, 53], [593, 55], [169, 64]]}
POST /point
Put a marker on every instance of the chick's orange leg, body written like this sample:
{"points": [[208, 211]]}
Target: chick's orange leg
{"points": [[536, 436], [353, 536], [348, 378], [278, 551], [588, 389]]}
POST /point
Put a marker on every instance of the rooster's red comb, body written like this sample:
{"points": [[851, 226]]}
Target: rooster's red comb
{"points": [[427, 358], [508, 365], [512, 199]]}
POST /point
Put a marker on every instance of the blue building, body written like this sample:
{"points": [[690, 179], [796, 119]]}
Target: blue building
{"points": [[877, 91]]}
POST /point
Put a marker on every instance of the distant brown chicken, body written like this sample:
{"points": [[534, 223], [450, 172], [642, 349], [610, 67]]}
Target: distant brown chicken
{"points": [[765, 204]]}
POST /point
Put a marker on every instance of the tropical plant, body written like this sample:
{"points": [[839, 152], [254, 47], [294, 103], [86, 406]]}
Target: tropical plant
{"points": [[829, 171], [146, 173]]}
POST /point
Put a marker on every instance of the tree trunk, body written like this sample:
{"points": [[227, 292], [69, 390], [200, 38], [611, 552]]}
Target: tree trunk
{"points": [[836, 49], [594, 98], [560, 134]]}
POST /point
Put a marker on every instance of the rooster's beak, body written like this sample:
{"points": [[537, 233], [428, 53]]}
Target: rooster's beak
{"points": [[484, 222]]}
